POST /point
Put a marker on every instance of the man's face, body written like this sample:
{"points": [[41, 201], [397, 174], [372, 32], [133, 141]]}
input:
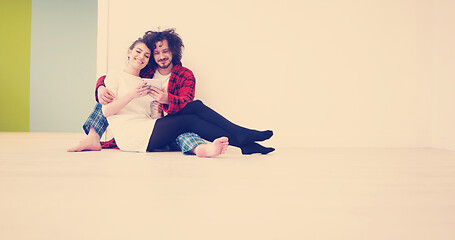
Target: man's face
{"points": [[162, 54]]}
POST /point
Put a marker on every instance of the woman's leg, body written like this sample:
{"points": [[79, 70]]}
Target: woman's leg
{"points": [[91, 142], [242, 134], [94, 127], [96, 120]]}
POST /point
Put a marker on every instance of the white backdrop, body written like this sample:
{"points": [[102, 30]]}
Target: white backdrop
{"points": [[330, 73]]}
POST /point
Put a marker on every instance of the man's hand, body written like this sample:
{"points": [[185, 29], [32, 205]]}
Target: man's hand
{"points": [[159, 95], [158, 108], [105, 95]]}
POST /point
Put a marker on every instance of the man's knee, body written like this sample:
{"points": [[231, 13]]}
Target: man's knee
{"points": [[193, 106], [198, 103]]}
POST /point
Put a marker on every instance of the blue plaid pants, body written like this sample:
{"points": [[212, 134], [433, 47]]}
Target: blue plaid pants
{"points": [[96, 120], [185, 141]]}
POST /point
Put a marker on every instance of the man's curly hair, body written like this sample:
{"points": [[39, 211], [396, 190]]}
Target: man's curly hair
{"points": [[174, 41]]}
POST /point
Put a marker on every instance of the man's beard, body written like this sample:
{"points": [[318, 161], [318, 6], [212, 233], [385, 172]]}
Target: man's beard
{"points": [[165, 66]]}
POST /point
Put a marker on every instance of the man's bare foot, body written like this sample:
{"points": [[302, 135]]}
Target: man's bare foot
{"points": [[217, 147], [87, 144]]}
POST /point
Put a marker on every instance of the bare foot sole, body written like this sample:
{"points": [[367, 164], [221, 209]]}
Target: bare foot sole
{"points": [[86, 144], [217, 147]]}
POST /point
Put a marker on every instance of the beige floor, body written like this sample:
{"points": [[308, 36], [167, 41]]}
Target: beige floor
{"points": [[47, 193]]}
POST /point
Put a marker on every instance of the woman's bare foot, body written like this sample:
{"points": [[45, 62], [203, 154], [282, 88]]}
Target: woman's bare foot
{"points": [[86, 144], [217, 147], [89, 143]]}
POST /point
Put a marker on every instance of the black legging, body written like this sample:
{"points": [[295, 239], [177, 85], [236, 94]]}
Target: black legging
{"points": [[202, 120]]}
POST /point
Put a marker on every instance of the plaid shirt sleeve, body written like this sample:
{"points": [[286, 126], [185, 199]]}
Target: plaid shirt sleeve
{"points": [[99, 83], [180, 90]]}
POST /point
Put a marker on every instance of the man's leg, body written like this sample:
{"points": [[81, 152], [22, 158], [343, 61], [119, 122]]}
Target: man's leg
{"points": [[167, 129], [191, 143], [94, 127], [241, 134]]}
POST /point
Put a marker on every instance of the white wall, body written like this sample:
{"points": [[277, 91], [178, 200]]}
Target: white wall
{"points": [[330, 73], [443, 79]]}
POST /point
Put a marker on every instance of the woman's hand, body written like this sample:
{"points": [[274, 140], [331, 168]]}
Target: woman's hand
{"points": [[105, 96], [140, 91], [115, 106], [159, 95]]}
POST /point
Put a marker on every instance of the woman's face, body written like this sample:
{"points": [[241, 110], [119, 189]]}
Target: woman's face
{"points": [[140, 55]]}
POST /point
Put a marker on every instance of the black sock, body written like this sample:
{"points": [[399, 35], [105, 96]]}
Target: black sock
{"points": [[252, 148], [251, 136]]}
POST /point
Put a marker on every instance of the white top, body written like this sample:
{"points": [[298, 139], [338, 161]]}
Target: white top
{"points": [[164, 79], [132, 126]]}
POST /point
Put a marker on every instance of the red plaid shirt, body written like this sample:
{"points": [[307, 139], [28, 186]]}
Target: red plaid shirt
{"points": [[181, 88]]}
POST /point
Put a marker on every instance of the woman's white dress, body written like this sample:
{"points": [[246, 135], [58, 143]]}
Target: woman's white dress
{"points": [[132, 126]]}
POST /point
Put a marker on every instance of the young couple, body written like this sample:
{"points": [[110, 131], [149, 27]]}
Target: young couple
{"points": [[127, 102]]}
